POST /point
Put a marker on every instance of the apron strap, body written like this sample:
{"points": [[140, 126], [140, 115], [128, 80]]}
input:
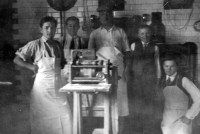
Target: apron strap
{"points": [[44, 48], [177, 79], [42, 52]]}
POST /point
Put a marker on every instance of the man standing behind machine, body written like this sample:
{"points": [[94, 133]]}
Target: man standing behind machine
{"points": [[178, 90], [71, 41], [143, 72], [110, 42]]}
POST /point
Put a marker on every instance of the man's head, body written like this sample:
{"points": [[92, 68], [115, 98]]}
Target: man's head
{"points": [[169, 66], [105, 15], [145, 33], [72, 25], [48, 27]]}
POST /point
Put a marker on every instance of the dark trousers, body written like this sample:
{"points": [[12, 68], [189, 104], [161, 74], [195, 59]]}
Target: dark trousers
{"points": [[141, 97]]}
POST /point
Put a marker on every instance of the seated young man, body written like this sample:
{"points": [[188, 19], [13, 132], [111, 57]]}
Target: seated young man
{"points": [[177, 91]]}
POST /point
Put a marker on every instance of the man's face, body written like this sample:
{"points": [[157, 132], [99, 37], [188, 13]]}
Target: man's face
{"points": [[170, 67], [106, 17], [48, 30], [145, 35], [72, 27]]}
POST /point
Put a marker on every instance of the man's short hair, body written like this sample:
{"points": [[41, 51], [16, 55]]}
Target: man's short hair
{"points": [[145, 27], [104, 8], [169, 58], [73, 18], [48, 19]]}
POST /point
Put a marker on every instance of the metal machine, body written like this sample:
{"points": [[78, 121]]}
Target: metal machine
{"points": [[85, 68]]}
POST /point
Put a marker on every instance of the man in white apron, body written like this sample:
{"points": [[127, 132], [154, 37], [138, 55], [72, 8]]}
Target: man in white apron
{"points": [[110, 42], [50, 112], [178, 90]]}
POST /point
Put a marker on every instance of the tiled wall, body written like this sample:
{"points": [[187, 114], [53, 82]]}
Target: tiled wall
{"points": [[178, 23]]}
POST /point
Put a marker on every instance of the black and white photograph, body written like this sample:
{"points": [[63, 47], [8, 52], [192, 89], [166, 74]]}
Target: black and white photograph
{"points": [[99, 66]]}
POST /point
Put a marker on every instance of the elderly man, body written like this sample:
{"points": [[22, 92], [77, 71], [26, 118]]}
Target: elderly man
{"points": [[110, 42], [178, 93]]}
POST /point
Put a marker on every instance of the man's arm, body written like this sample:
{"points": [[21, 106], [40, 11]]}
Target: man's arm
{"points": [[91, 41], [133, 47], [25, 53], [125, 43], [195, 95], [157, 60], [19, 61]]}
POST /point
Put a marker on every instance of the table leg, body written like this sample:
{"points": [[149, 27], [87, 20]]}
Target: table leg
{"points": [[75, 113], [106, 114], [114, 117], [79, 114]]}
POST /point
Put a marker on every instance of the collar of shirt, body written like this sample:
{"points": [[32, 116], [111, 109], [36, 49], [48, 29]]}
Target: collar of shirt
{"points": [[112, 28], [144, 43], [69, 39], [76, 36], [171, 77], [44, 39]]}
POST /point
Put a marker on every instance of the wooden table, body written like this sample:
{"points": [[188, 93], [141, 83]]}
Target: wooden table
{"points": [[77, 90]]}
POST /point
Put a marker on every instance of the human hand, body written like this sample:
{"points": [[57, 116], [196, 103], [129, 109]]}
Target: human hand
{"points": [[185, 120]]}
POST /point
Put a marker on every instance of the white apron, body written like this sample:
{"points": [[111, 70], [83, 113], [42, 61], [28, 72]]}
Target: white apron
{"points": [[116, 58], [176, 106], [50, 112]]}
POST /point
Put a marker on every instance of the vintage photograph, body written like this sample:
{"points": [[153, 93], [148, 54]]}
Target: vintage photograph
{"points": [[99, 66]]}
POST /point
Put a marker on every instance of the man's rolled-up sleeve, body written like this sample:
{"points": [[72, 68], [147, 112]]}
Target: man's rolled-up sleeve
{"points": [[91, 41], [195, 95]]}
